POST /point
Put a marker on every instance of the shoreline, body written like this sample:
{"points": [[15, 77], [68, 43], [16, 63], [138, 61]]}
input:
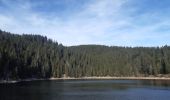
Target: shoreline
{"points": [[112, 78], [87, 78]]}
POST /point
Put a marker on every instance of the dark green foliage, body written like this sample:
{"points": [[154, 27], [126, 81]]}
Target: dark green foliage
{"points": [[35, 56]]}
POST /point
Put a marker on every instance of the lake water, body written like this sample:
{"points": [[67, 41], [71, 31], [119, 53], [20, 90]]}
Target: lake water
{"points": [[87, 90]]}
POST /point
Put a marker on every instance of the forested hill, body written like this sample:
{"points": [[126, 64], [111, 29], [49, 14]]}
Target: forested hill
{"points": [[35, 56]]}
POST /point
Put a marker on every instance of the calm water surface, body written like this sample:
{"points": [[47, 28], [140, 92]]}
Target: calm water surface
{"points": [[87, 90]]}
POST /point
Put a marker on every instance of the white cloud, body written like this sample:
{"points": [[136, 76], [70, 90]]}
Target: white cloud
{"points": [[100, 22]]}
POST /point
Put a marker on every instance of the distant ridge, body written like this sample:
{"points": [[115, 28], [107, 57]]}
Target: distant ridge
{"points": [[36, 56]]}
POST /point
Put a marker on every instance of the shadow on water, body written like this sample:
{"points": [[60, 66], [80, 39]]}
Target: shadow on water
{"points": [[35, 90], [87, 90]]}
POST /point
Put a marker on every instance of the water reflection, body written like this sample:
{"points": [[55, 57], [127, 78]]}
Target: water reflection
{"points": [[87, 90], [160, 83]]}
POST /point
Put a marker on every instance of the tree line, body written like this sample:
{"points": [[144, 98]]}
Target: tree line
{"points": [[34, 56]]}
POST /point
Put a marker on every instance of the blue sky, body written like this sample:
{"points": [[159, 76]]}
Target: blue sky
{"points": [[76, 22]]}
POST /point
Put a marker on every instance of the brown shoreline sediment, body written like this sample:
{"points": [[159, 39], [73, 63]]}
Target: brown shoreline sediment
{"points": [[114, 78], [88, 78]]}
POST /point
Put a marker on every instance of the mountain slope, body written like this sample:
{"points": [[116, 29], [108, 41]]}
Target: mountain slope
{"points": [[35, 56]]}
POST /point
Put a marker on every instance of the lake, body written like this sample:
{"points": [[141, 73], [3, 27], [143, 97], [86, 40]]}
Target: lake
{"points": [[87, 90]]}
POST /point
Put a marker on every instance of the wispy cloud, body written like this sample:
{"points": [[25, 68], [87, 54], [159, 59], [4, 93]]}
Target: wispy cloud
{"points": [[72, 22]]}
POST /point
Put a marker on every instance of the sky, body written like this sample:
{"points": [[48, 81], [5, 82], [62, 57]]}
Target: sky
{"points": [[79, 22]]}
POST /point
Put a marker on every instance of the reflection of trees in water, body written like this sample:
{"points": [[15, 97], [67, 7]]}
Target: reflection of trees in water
{"points": [[33, 90], [160, 83], [81, 89]]}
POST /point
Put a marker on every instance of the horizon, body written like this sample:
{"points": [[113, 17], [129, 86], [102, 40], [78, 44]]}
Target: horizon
{"points": [[89, 44], [125, 23]]}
